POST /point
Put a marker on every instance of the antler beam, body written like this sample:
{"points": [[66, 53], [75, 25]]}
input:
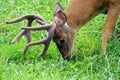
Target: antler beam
{"points": [[26, 31]]}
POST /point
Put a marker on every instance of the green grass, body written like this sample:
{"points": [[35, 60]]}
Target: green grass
{"points": [[87, 46]]}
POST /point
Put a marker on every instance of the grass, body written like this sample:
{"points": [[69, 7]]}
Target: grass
{"points": [[87, 46]]}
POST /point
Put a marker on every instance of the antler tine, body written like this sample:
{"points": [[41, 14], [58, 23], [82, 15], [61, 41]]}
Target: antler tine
{"points": [[23, 32], [50, 28], [41, 22], [30, 18]]}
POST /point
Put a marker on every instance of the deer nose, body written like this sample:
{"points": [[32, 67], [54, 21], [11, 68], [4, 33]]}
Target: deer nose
{"points": [[68, 57]]}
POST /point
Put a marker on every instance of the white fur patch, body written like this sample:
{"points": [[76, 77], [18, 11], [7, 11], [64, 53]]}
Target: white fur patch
{"points": [[66, 26]]}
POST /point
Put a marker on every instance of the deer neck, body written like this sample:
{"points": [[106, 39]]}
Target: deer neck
{"points": [[80, 12]]}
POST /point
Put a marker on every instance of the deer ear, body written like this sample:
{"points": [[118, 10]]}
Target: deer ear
{"points": [[58, 8], [62, 18]]}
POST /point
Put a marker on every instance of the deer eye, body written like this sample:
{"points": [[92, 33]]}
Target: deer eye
{"points": [[61, 41]]}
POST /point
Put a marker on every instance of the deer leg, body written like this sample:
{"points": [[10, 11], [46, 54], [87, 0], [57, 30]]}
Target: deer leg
{"points": [[111, 20]]}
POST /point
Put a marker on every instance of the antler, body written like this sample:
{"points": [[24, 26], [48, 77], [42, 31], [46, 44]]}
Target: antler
{"points": [[26, 32], [50, 28], [30, 18]]}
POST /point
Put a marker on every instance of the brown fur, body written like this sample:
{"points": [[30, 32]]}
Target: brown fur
{"points": [[79, 12], [66, 23]]}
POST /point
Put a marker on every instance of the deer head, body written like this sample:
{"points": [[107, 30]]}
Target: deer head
{"points": [[58, 30], [63, 34]]}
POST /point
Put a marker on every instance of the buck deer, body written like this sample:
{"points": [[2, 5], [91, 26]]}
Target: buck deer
{"points": [[66, 23]]}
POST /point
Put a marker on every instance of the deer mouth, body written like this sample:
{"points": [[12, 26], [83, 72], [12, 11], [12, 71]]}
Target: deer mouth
{"points": [[64, 50]]}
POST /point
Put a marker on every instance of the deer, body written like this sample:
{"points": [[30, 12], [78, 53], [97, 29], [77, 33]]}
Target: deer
{"points": [[62, 30]]}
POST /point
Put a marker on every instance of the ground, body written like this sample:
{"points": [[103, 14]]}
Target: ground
{"points": [[84, 64]]}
